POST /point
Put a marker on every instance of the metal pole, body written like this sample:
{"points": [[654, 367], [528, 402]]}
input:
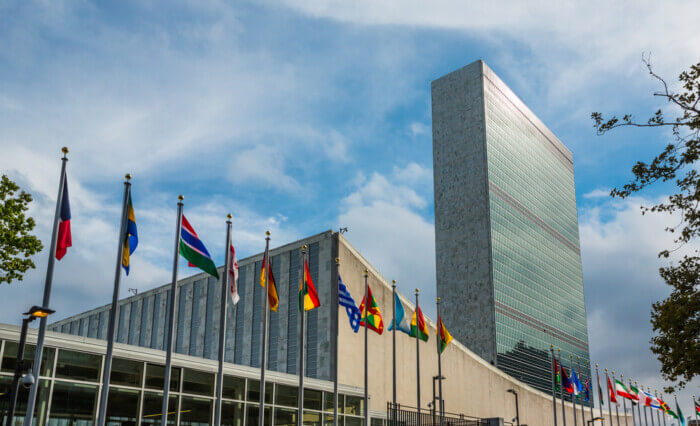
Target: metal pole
{"points": [[580, 377], [517, 409], [393, 350], [102, 411], [19, 367], [600, 403], [554, 386], [47, 292], [417, 364], [590, 391], [617, 410], [223, 311], [171, 319], [561, 393], [573, 395], [624, 400], [639, 408], [300, 395], [646, 420], [437, 338], [334, 310], [658, 416], [263, 351], [364, 316], [663, 416], [607, 385]]}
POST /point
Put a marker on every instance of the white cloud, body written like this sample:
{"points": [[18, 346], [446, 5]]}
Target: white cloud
{"points": [[418, 128], [597, 193]]}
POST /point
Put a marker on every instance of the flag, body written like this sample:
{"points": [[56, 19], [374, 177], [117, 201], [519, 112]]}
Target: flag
{"points": [[587, 390], [131, 237], [192, 249], [611, 392], [565, 382], [622, 390], [345, 300], [697, 407], [679, 413], [635, 394], [401, 319], [371, 314], [664, 407], [272, 297], [643, 398], [578, 387], [600, 394], [418, 325], [64, 240], [233, 275], [308, 298], [444, 335], [652, 401], [557, 375]]}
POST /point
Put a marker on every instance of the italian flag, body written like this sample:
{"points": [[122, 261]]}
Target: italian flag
{"points": [[622, 390]]}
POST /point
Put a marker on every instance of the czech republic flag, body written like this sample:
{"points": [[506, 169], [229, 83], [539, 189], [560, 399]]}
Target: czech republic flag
{"points": [[64, 237]]}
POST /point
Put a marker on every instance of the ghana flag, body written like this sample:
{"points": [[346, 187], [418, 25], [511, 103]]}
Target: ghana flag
{"points": [[418, 325], [444, 335], [192, 249], [308, 298], [373, 315]]}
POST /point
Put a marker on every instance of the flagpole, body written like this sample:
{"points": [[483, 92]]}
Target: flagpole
{"points": [[617, 410], [437, 339], [663, 416], [624, 400], [171, 319], [639, 405], [47, 293], [300, 396], [651, 415], [223, 311], [554, 387], [561, 393], [658, 416], [334, 310], [675, 399], [417, 364], [607, 385], [600, 396], [573, 395], [646, 421], [393, 350], [364, 316], [634, 418], [113, 311], [263, 354], [590, 391], [580, 377], [695, 411]]}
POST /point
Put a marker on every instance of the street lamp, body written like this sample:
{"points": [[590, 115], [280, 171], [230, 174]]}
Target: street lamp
{"points": [[33, 313], [590, 422], [435, 407], [517, 411]]}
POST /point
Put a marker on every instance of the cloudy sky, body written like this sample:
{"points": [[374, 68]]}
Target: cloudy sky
{"points": [[299, 116]]}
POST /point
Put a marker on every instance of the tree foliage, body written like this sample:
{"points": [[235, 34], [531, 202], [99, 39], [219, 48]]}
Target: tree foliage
{"points": [[17, 245], [676, 319]]}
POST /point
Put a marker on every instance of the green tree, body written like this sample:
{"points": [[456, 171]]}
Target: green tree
{"points": [[17, 245], [676, 319]]}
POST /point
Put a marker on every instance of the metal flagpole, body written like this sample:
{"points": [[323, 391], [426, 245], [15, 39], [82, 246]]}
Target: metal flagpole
{"points": [[607, 387], [223, 311], [646, 421], [639, 403], [663, 416], [364, 317], [561, 393], [617, 410], [102, 411], [580, 377], [600, 397], [632, 404], [417, 364], [554, 385], [263, 351], [658, 416], [573, 395], [624, 400], [651, 415], [590, 391], [171, 319], [302, 316], [47, 293], [393, 351], [437, 338], [334, 310]]}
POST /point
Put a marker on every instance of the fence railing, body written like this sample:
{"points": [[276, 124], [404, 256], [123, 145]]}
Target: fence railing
{"points": [[403, 415]]}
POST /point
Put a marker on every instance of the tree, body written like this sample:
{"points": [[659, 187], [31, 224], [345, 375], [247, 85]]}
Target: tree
{"points": [[676, 319], [17, 245]]}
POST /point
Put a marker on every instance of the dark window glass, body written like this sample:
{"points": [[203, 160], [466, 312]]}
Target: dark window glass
{"points": [[21, 407], [287, 395], [234, 387], [195, 411], [328, 420], [353, 405], [328, 404], [155, 377], [311, 418], [152, 406], [254, 391], [78, 365], [123, 407], [126, 372], [9, 358], [353, 421], [73, 404], [285, 416], [231, 413], [312, 400], [198, 382], [376, 422], [252, 418]]}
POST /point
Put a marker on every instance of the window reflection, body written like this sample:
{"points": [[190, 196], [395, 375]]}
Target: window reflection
{"points": [[195, 411], [126, 372], [123, 407], [198, 382], [152, 409], [73, 404], [78, 365], [234, 387], [231, 413], [155, 377], [9, 358]]}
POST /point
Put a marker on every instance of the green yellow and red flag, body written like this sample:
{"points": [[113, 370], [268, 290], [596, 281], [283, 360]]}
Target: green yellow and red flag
{"points": [[418, 325], [308, 298], [443, 334], [372, 314]]}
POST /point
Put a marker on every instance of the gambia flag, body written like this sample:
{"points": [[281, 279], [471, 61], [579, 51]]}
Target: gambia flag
{"points": [[418, 325], [308, 298], [192, 249], [371, 314], [444, 335]]}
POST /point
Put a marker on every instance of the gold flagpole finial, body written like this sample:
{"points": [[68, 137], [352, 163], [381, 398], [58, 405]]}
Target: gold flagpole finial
{"points": [[337, 260], [267, 233], [596, 365], [366, 272], [393, 283], [229, 216], [438, 300], [128, 176], [417, 291], [180, 198], [64, 150]]}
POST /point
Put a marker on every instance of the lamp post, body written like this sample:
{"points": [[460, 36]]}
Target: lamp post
{"points": [[33, 313], [517, 411], [439, 407], [591, 421]]}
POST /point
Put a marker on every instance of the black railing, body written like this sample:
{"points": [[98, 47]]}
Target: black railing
{"points": [[402, 415]]}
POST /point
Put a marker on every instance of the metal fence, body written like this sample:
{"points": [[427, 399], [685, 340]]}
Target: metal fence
{"points": [[402, 415]]}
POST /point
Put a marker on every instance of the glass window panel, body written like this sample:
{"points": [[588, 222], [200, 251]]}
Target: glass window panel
{"points": [[311, 418], [123, 407], [285, 417], [328, 403], [198, 382], [9, 358], [252, 418], [353, 421], [126, 372], [234, 387], [21, 407], [231, 413], [287, 395], [254, 391], [195, 411], [152, 409], [78, 365], [155, 377], [312, 399], [354, 405], [72, 404], [328, 420]]}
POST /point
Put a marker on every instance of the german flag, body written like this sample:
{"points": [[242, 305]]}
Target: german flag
{"points": [[308, 298]]}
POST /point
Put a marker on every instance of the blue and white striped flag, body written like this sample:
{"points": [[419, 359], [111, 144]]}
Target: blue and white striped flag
{"points": [[346, 300]]}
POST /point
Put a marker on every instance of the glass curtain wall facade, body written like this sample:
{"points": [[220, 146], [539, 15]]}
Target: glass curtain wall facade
{"points": [[527, 274], [70, 387]]}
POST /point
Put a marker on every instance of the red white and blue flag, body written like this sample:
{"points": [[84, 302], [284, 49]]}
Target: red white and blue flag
{"points": [[64, 240]]}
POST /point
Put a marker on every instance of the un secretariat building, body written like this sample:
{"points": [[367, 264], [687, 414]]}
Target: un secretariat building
{"points": [[508, 274]]}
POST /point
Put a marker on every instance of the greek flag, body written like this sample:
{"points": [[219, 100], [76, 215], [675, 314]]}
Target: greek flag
{"points": [[346, 300]]}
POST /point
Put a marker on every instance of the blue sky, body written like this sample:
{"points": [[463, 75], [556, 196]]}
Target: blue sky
{"points": [[300, 116]]}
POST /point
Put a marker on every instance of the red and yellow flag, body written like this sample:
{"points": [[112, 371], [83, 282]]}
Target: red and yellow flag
{"points": [[372, 314], [445, 336], [308, 298], [418, 325], [266, 272]]}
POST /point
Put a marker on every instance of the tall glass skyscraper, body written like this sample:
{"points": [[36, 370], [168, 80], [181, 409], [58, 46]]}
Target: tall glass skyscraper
{"points": [[506, 227]]}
